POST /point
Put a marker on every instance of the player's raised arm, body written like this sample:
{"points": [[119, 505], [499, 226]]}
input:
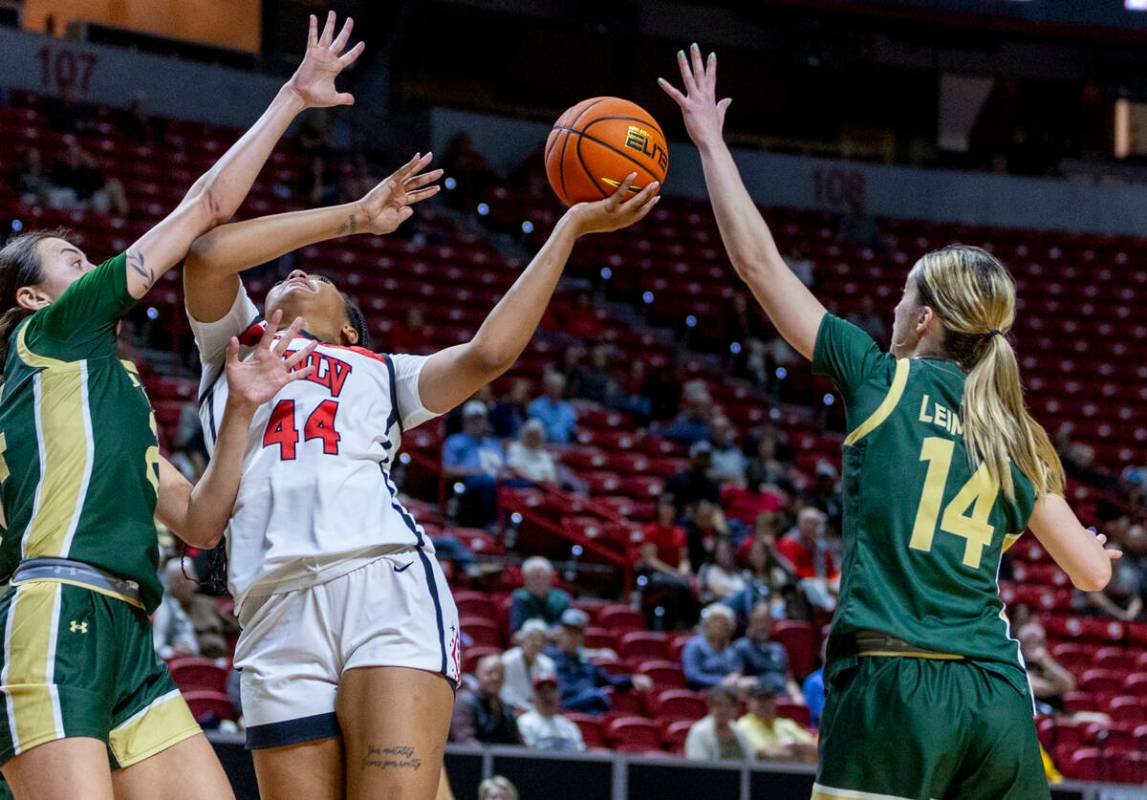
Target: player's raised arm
{"points": [[453, 374], [216, 196], [199, 514], [210, 280], [790, 305], [1079, 552]]}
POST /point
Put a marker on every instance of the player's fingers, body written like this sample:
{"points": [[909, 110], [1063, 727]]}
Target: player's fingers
{"points": [[328, 30], [351, 56], [696, 62], [312, 31], [622, 191], [406, 170], [344, 99], [644, 196], [1114, 555], [711, 70], [671, 90], [300, 355], [643, 210], [300, 374], [723, 106], [268, 337], [422, 194], [344, 35], [686, 73], [288, 336], [1102, 538], [233, 350], [418, 181]]}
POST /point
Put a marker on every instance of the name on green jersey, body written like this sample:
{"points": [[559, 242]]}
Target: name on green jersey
{"points": [[941, 416]]}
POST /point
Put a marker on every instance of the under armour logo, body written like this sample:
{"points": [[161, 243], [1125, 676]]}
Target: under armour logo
{"points": [[79, 627]]}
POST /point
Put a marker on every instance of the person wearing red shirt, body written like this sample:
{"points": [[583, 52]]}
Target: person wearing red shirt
{"points": [[663, 562], [663, 545], [807, 551]]}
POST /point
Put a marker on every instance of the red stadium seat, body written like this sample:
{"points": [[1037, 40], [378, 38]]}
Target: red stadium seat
{"points": [[1103, 681], [800, 640], [676, 704], [475, 604], [472, 655], [1118, 659], [633, 735], [1136, 684], [674, 734], [641, 645], [626, 704], [204, 704], [599, 638], [1128, 709], [795, 711], [591, 728], [664, 674], [198, 674], [621, 618], [483, 631]]}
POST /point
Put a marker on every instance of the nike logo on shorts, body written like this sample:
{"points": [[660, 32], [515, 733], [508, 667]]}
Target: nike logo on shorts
{"points": [[404, 567]]}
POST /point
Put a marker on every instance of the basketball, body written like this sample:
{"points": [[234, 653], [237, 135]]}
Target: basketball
{"points": [[597, 143]]}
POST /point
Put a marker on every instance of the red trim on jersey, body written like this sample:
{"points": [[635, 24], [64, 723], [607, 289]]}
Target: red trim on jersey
{"points": [[362, 351], [254, 332]]}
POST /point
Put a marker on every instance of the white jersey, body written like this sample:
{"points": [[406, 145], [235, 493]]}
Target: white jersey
{"points": [[316, 500]]}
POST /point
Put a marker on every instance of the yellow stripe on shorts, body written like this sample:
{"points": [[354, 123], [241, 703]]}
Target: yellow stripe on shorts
{"points": [[820, 792], [28, 676], [166, 722]]}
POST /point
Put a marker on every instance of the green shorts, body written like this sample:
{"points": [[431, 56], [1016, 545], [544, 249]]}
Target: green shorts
{"points": [[902, 728], [80, 663]]}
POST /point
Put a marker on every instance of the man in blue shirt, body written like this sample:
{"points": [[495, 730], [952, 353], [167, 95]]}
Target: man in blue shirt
{"points": [[582, 683], [472, 460], [554, 412]]}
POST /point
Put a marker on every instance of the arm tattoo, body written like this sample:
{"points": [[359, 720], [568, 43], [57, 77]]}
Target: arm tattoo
{"points": [[397, 757], [137, 263], [350, 226]]}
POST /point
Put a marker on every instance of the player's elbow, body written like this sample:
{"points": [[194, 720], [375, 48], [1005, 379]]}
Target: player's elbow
{"points": [[1094, 577], [489, 358], [207, 202], [203, 536]]}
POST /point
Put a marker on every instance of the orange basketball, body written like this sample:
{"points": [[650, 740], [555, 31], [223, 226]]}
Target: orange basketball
{"points": [[595, 144]]}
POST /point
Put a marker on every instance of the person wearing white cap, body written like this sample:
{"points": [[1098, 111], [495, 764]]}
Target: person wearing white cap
{"points": [[524, 663], [543, 727], [474, 460]]}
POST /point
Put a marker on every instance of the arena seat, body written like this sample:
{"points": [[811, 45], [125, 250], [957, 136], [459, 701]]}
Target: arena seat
{"points": [[483, 631], [204, 703], [590, 726], [196, 674], [800, 641], [620, 618], [641, 645], [633, 735], [664, 674], [674, 733], [676, 704]]}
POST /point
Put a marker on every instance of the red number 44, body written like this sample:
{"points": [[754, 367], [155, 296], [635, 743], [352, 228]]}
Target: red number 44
{"points": [[281, 428]]}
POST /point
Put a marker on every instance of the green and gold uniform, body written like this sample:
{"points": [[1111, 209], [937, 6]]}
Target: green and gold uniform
{"points": [[79, 465], [927, 696]]}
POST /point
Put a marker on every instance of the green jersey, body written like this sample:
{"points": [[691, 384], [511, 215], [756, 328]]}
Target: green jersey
{"points": [[78, 454], [923, 532]]}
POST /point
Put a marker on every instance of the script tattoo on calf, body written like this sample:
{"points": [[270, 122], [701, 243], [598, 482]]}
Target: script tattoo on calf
{"points": [[394, 757], [138, 265]]}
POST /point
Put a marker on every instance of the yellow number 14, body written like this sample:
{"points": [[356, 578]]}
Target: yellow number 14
{"points": [[965, 516]]}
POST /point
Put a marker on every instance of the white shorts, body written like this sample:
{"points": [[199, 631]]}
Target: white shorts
{"points": [[395, 611]]}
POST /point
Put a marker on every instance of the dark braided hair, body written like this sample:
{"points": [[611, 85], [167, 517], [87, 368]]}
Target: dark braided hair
{"points": [[353, 313], [20, 266]]}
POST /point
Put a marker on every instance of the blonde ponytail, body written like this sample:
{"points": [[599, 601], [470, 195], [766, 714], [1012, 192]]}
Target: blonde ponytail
{"points": [[974, 297]]}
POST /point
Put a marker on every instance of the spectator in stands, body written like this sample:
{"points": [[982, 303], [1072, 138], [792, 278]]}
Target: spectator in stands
{"points": [[716, 737], [29, 179], [709, 658], [475, 460], [867, 319], [512, 410], [692, 424], [760, 657], [806, 548], [78, 180], [1122, 598], [633, 399], [411, 336], [663, 561], [581, 321], [799, 262], [480, 716], [553, 411], [596, 382], [825, 493], [858, 227], [497, 788], [1049, 679], [774, 738], [693, 483], [528, 459], [524, 663], [537, 598], [583, 684], [357, 181], [770, 580], [543, 727], [813, 687], [704, 525], [727, 462], [719, 578], [210, 628], [190, 456], [772, 465], [137, 126], [172, 627]]}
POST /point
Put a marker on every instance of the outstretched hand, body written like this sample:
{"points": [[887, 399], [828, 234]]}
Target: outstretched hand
{"points": [[704, 115], [388, 205], [314, 80], [615, 212], [260, 377]]}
